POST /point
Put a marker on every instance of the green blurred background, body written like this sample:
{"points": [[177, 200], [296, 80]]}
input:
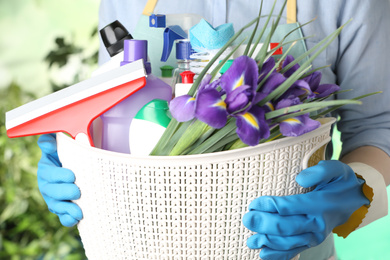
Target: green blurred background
{"points": [[44, 46]]}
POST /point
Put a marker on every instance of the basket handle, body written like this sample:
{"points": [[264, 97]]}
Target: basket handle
{"points": [[307, 157]]}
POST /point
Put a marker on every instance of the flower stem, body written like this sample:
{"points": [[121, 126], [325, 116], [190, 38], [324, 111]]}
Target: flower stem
{"points": [[193, 133], [238, 144], [210, 144]]}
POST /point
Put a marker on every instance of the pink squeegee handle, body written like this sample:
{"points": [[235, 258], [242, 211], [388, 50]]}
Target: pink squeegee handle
{"points": [[77, 117]]}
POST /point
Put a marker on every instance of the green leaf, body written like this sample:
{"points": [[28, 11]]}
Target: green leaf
{"points": [[215, 138], [262, 31], [282, 43], [10, 247], [223, 142], [326, 41], [303, 69], [166, 136], [277, 64], [311, 105], [192, 133], [260, 57], [337, 107], [14, 209], [284, 86], [313, 70], [61, 55], [200, 140], [253, 32]]}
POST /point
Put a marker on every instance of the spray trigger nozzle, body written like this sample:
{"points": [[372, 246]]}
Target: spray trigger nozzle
{"points": [[171, 34]]}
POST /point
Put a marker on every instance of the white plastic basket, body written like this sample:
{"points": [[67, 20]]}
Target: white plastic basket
{"points": [[181, 207]]}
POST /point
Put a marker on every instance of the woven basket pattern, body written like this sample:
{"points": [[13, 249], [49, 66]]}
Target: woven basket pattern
{"points": [[187, 207]]}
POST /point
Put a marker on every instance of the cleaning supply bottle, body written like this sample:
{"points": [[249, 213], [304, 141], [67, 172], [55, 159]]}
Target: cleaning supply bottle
{"points": [[116, 121], [167, 73], [147, 126], [113, 36], [183, 53], [226, 66], [186, 83], [162, 31]]}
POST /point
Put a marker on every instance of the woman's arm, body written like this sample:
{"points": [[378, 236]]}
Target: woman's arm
{"points": [[373, 157]]}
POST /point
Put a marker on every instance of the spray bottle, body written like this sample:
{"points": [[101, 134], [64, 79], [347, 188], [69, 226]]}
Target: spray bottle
{"points": [[117, 120], [148, 126], [167, 73], [161, 31], [187, 79], [113, 37], [183, 53]]}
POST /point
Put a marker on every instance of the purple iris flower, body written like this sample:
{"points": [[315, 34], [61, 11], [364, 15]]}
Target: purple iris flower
{"points": [[300, 88], [243, 71], [205, 83], [235, 94], [313, 89], [210, 108], [273, 81], [232, 95], [319, 91], [268, 65], [252, 126], [288, 102], [239, 99], [288, 60], [298, 125], [182, 108]]}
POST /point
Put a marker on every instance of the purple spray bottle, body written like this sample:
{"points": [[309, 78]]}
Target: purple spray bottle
{"points": [[117, 120]]}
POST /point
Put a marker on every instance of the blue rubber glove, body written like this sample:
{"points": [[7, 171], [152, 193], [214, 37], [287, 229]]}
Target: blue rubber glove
{"points": [[287, 225], [56, 184]]}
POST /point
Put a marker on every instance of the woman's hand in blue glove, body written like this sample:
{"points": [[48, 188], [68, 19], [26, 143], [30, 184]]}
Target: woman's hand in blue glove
{"points": [[56, 184], [287, 225]]}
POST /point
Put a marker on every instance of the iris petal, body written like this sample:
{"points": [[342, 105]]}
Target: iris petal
{"points": [[205, 82], [314, 80], [266, 68], [258, 97], [288, 60], [299, 88], [274, 81], [251, 126], [243, 71], [319, 91], [288, 102], [182, 108], [210, 108], [239, 98], [215, 84], [298, 125], [304, 86], [269, 106], [326, 89]]}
